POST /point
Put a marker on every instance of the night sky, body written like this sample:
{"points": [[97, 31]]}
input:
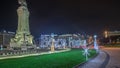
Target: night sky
{"points": [[63, 16]]}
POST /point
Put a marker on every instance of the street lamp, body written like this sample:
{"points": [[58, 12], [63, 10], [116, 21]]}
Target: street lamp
{"points": [[95, 43], [106, 34]]}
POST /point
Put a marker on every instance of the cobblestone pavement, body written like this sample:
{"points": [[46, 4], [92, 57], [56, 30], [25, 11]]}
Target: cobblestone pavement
{"points": [[114, 54]]}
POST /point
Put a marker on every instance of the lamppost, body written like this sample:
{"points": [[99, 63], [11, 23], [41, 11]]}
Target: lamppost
{"points": [[95, 43]]}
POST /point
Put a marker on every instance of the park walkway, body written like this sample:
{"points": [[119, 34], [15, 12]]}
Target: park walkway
{"points": [[107, 58], [100, 61]]}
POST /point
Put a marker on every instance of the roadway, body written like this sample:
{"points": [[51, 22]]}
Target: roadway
{"points": [[114, 54]]}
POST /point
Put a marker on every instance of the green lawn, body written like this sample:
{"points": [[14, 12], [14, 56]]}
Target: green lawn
{"points": [[57, 60]]}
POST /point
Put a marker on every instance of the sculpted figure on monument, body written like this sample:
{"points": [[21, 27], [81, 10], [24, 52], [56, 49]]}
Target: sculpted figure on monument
{"points": [[22, 2]]}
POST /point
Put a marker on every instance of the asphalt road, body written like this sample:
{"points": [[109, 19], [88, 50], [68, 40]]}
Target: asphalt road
{"points": [[114, 61]]}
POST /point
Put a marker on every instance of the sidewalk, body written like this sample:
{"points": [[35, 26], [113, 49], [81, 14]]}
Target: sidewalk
{"points": [[96, 62]]}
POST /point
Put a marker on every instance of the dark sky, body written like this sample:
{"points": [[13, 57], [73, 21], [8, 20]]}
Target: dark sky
{"points": [[63, 16]]}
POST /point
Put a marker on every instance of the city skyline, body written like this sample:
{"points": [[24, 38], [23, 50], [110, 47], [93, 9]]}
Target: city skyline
{"points": [[63, 16]]}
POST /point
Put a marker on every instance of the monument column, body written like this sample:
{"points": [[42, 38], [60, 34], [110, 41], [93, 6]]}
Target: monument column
{"points": [[23, 36], [23, 17]]}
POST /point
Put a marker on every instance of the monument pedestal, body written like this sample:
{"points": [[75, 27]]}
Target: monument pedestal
{"points": [[23, 47]]}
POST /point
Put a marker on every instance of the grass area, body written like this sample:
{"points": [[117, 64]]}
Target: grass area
{"points": [[57, 60]]}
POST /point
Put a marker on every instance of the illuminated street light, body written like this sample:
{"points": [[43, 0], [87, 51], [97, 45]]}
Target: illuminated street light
{"points": [[95, 43], [106, 34]]}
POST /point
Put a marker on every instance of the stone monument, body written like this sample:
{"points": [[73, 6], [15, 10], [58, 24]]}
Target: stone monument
{"points": [[23, 39]]}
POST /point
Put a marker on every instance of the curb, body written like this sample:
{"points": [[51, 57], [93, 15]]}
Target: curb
{"points": [[43, 53], [104, 64]]}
